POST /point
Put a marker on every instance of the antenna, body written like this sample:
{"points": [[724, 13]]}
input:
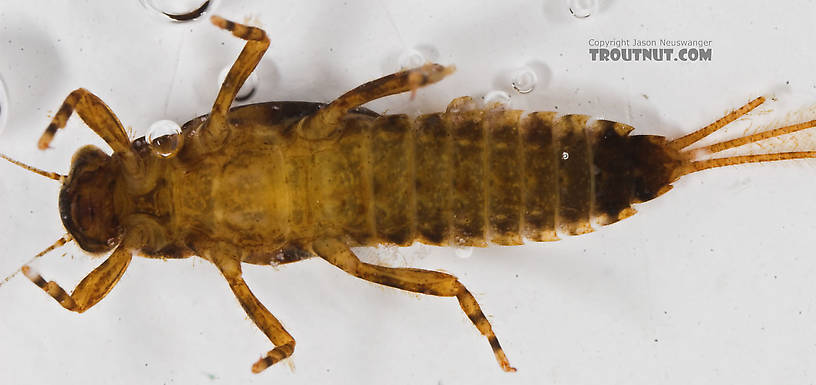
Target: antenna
{"points": [[65, 239], [47, 174]]}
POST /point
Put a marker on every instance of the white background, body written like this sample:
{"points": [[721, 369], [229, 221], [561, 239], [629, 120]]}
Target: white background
{"points": [[712, 283]]}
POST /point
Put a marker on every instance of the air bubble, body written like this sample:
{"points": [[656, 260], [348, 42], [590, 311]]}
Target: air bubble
{"points": [[497, 98], [564, 155], [179, 11], [524, 80], [417, 56], [411, 58], [164, 137], [463, 252], [582, 9], [3, 105], [247, 90]]}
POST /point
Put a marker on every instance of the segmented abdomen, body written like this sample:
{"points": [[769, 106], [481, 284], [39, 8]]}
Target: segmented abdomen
{"points": [[468, 177]]}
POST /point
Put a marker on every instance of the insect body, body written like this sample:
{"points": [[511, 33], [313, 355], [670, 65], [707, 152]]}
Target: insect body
{"points": [[275, 183]]}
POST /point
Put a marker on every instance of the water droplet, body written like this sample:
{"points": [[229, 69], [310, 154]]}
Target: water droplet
{"points": [[463, 252], [164, 137], [497, 98], [246, 90], [564, 155], [524, 80], [180, 11], [411, 58], [582, 9], [3, 105]]}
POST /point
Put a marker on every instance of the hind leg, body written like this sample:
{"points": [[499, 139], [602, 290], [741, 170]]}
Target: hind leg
{"points": [[323, 123], [415, 280]]}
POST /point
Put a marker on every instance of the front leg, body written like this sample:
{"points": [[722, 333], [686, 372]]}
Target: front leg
{"points": [[269, 325], [99, 117], [95, 113], [93, 287], [415, 280]]}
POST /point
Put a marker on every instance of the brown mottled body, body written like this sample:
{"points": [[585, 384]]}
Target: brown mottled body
{"points": [[462, 178], [279, 182], [456, 178]]}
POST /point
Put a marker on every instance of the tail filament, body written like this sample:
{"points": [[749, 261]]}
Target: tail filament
{"points": [[682, 144]]}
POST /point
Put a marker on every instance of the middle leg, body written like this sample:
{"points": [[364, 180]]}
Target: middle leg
{"points": [[256, 45], [269, 325], [416, 280]]}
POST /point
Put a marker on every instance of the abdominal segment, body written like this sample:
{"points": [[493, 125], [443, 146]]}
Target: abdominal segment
{"points": [[467, 177]]}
